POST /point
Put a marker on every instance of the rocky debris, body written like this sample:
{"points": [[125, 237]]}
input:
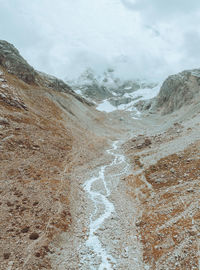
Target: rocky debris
{"points": [[172, 214], [168, 192], [145, 105], [34, 236], [36, 161], [25, 229], [12, 99], [139, 142], [34, 147], [172, 170], [4, 121], [6, 255], [40, 192], [52, 82]]}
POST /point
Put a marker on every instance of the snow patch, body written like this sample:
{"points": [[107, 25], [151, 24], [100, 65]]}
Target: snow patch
{"points": [[140, 94], [4, 85], [106, 107], [78, 92], [147, 93]]}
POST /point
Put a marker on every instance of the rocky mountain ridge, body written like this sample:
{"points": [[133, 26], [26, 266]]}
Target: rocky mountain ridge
{"points": [[177, 91], [15, 64]]}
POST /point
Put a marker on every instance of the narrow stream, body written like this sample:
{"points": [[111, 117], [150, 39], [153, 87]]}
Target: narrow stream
{"points": [[98, 198]]}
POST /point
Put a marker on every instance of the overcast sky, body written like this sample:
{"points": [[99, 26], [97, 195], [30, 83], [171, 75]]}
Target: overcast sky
{"points": [[139, 38]]}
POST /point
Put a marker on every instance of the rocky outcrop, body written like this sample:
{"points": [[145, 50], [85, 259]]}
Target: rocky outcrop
{"points": [[50, 81], [178, 90], [14, 63], [91, 86]]}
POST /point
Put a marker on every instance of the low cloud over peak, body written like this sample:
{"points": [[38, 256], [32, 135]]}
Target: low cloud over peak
{"points": [[139, 38]]}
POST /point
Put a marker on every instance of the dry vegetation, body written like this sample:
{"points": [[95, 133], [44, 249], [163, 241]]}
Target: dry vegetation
{"points": [[35, 155], [168, 196], [41, 144]]}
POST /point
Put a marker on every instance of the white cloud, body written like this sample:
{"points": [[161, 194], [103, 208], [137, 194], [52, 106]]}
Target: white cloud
{"points": [[140, 38]]}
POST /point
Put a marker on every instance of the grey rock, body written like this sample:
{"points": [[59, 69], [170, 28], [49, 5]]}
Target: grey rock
{"points": [[172, 170], [13, 62], [178, 90], [145, 105], [118, 101], [3, 121]]}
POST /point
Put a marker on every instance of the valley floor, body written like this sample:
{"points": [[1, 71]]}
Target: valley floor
{"points": [[87, 190], [145, 202]]}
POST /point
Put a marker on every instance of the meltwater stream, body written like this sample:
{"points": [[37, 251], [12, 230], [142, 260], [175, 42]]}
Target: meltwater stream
{"points": [[98, 198]]}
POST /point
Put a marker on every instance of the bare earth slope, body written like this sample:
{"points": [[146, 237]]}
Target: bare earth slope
{"points": [[41, 128], [166, 175]]}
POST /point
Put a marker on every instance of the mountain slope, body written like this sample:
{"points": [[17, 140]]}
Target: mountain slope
{"points": [[43, 125]]}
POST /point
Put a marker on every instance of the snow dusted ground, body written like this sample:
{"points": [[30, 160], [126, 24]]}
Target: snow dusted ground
{"points": [[106, 107], [141, 94], [110, 93]]}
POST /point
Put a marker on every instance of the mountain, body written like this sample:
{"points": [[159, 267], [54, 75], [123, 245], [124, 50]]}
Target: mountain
{"points": [[43, 126], [107, 87], [177, 91], [15, 64]]}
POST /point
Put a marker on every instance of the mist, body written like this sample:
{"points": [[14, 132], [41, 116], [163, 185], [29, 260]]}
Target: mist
{"points": [[138, 38]]}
